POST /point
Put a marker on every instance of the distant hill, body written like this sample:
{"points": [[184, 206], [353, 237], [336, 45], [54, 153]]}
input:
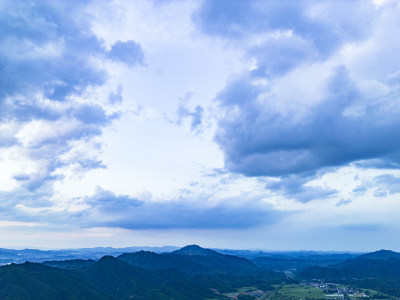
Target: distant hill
{"points": [[289, 263], [196, 250], [380, 255], [36, 282], [356, 268], [34, 255], [191, 259], [215, 261]]}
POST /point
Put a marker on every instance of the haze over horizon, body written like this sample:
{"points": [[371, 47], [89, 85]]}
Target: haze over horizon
{"points": [[255, 124]]}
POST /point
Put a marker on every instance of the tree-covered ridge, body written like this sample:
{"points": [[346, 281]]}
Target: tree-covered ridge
{"points": [[36, 281]]}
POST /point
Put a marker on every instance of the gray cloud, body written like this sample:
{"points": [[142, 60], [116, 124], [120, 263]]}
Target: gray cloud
{"points": [[293, 187], [347, 126], [47, 57], [388, 183], [110, 210], [197, 118], [92, 114], [343, 202], [380, 192], [360, 190], [260, 141], [128, 52], [184, 112], [238, 19], [381, 185], [116, 97], [25, 205], [45, 49]]}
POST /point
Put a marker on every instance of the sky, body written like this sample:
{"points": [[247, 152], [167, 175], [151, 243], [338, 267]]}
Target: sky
{"points": [[256, 124]]}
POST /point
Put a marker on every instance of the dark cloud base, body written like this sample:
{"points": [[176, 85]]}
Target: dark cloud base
{"points": [[109, 210]]}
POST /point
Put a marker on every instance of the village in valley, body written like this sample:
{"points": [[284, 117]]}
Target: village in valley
{"points": [[336, 291], [310, 290]]}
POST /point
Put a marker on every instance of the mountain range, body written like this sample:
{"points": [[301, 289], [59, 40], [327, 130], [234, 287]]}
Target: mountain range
{"points": [[193, 272]]}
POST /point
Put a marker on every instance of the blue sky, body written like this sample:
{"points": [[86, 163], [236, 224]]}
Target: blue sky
{"points": [[234, 124]]}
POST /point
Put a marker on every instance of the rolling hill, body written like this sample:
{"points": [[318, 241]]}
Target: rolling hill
{"points": [[36, 282]]}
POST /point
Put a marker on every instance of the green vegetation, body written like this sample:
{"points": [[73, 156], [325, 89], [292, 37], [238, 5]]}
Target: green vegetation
{"points": [[35, 282], [294, 291], [245, 297]]}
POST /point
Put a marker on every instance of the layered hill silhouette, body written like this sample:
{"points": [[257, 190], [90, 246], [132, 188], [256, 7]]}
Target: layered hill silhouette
{"points": [[189, 273], [216, 261], [192, 272], [190, 259]]}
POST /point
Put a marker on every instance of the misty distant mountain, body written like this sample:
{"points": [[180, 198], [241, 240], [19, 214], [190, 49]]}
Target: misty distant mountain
{"points": [[33, 255], [296, 261]]}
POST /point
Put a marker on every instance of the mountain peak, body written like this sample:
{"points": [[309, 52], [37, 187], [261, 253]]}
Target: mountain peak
{"points": [[381, 254], [107, 259], [196, 250]]}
